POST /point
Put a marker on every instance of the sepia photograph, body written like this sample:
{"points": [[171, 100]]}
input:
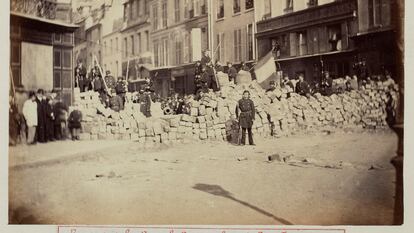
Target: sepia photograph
{"points": [[206, 112]]}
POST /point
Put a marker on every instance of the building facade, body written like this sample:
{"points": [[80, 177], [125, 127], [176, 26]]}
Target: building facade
{"points": [[111, 50], [308, 36], [233, 29], [36, 33], [376, 39], [135, 40], [179, 33]]}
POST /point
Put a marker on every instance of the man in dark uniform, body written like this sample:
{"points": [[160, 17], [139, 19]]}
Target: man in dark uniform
{"points": [[197, 76], [80, 76], [245, 111], [60, 111], [110, 81], [206, 63], [326, 84], [121, 88], [145, 101], [115, 102], [50, 119], [41, 116], [302, 87], [232, 72]]}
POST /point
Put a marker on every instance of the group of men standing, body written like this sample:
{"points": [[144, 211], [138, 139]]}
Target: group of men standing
{"points": [[112, 92], [36, 117], [206, 73]]}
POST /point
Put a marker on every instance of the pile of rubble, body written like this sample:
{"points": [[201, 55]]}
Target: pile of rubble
{"points": [[212, 117]]}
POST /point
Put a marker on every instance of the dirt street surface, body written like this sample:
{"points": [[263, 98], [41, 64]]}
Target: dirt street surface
{"points": [[340, 178]]}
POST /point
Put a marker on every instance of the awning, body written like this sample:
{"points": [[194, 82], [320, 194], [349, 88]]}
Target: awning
{"points": [[56, 23], [314, 55]]}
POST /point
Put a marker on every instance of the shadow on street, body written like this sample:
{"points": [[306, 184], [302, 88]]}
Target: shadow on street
{"points": [[217, 190]]}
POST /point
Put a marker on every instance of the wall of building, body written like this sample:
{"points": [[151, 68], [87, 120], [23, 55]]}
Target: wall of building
{"points": [[374, 14], [171, 37], [274, 8], [112, 54], [230, 26]]}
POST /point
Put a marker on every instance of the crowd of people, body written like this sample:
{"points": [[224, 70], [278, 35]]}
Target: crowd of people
{"points": [[40, 117]]}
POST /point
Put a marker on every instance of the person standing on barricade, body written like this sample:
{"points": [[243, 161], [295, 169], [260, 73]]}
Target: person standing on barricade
{"points": [[121, 88], [245, 112], [206, 63], [198, 70], [80, 76], [302, 87], [232, 72]]}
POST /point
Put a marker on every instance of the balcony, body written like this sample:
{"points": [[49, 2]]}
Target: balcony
{"points": [[315, 15], [40, 8]]}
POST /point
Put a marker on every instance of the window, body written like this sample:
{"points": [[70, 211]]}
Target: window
{"points": [[191, 9], [334, 37], [374, 12], [165, 51], [267, 9], [132, 45], [57, 79], [237, 45], [220, 43], [126, 12], [67, 59], [67, 38], [186, 9], [220, 10], [112, 46], [139, 45], [57, 37], [249, 42], [156, 54], [116, 44], [236, 6], [125, 47], [312, 3], [141, 7], [289, 6], [155, 16], [105, 50], [131, 10], [203, 7], [186, 48], [164, 14], [301, 42], [146, 7], [177, 11], [57, 59], [147, 39], [62, 72], [178, 51], [249, 4]]}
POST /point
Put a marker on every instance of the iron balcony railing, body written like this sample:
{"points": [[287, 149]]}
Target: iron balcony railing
{"points": [[40, 8]]}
